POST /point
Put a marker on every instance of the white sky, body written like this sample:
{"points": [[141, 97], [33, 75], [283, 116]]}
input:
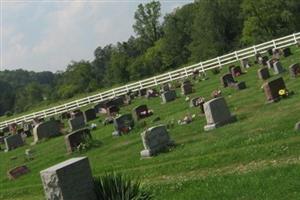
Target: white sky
{"points": [[46, 35]]}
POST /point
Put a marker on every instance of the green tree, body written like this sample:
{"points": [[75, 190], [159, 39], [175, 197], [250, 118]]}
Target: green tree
{"points": [[266, 19], [216, 29], [147, 25], [177, 36]]}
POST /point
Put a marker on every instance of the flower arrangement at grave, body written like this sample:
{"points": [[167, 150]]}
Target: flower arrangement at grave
{"points": [[283, 93]]}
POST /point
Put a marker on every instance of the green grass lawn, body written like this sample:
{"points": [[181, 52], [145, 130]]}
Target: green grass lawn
{"points": [[258, 157]]}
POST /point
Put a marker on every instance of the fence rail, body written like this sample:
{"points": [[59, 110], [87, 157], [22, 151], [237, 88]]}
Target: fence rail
{"points": [[160, 79]]}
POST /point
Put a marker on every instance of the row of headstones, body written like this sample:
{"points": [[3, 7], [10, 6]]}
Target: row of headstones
{"points": [[61, 179], [77, 121]]}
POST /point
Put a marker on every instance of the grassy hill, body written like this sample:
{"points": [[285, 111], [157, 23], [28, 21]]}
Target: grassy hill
{"points": [[258, 157]]}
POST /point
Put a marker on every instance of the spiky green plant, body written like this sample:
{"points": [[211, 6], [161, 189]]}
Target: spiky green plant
{"points": [[116, 186]]}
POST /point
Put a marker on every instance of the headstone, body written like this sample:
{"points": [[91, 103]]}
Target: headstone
{"points": [[155, 140], [294, 70], [13, 128], [17, 172], [263, 73], [270, 63], [168, 96], [186, 88], [77, 123], [217, 113], [90, 115], [72, 140], [239, 85], [142, 92], [123, 124], [245, 63], [297, 126], [236, 71], [278, 69], [13, 141], [76, 113], [69, 180], [264, 60], [152, 93], [227, 80], [112, 110], [287, 52], [140, 112], [271, 89], [46, 130], [165, 87], [276, 53]]}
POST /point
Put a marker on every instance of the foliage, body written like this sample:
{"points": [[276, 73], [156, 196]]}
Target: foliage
{"points": [[113, 186]]}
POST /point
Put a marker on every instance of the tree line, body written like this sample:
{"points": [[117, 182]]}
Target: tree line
{"points": [[197, 31]]}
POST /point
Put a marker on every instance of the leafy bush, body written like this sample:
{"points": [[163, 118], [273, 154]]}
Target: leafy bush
{"points": [[116, 186]]}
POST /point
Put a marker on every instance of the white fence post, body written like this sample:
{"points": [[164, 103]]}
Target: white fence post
{"points": [[236, 55], [170, 76], [274, 43], [219, 61], [255, 50], [186, 72], [295, 38]]}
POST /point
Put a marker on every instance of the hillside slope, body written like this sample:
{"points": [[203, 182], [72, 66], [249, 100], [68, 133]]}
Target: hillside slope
{"points": [[255, 158]]}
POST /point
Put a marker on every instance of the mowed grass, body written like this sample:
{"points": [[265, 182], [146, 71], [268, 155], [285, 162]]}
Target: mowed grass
{"points": [[258, 157]]}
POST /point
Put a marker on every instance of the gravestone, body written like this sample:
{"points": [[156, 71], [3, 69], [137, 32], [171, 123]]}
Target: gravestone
{"points": [[276, 53], [76, 113], [297, 126], [217, 113], [17, 172], [123, 124], [155, 140], [72, 140], [46, 130], [271, 89], [270, 63], [245, 63], [69, 180], [89, 115], [165, 87], [186, 88], [140, 112], [112, 110], [287, 52], [278, 69], [151, 93], [227, 80], [100, 107], [13, 141], [236, 71], [168, 96], [142, 92], [263, 73], [239, 85], [77, 123], [13, 128], [294, 70]]}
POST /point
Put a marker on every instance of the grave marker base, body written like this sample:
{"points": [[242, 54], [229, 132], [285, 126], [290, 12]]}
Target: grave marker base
{"points": [[209, 127]]}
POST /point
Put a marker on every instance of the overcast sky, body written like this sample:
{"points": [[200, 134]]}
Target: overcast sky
{"points": [[46, 35]]}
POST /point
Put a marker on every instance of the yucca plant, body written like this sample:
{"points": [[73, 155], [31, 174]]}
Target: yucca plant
{"points": [[116, 186]]}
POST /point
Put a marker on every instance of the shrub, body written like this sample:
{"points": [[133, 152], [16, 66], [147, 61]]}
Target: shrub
{"points": [[116, 186]]}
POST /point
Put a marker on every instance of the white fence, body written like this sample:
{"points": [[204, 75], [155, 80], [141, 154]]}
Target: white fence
{"points": [[160, 79]]}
